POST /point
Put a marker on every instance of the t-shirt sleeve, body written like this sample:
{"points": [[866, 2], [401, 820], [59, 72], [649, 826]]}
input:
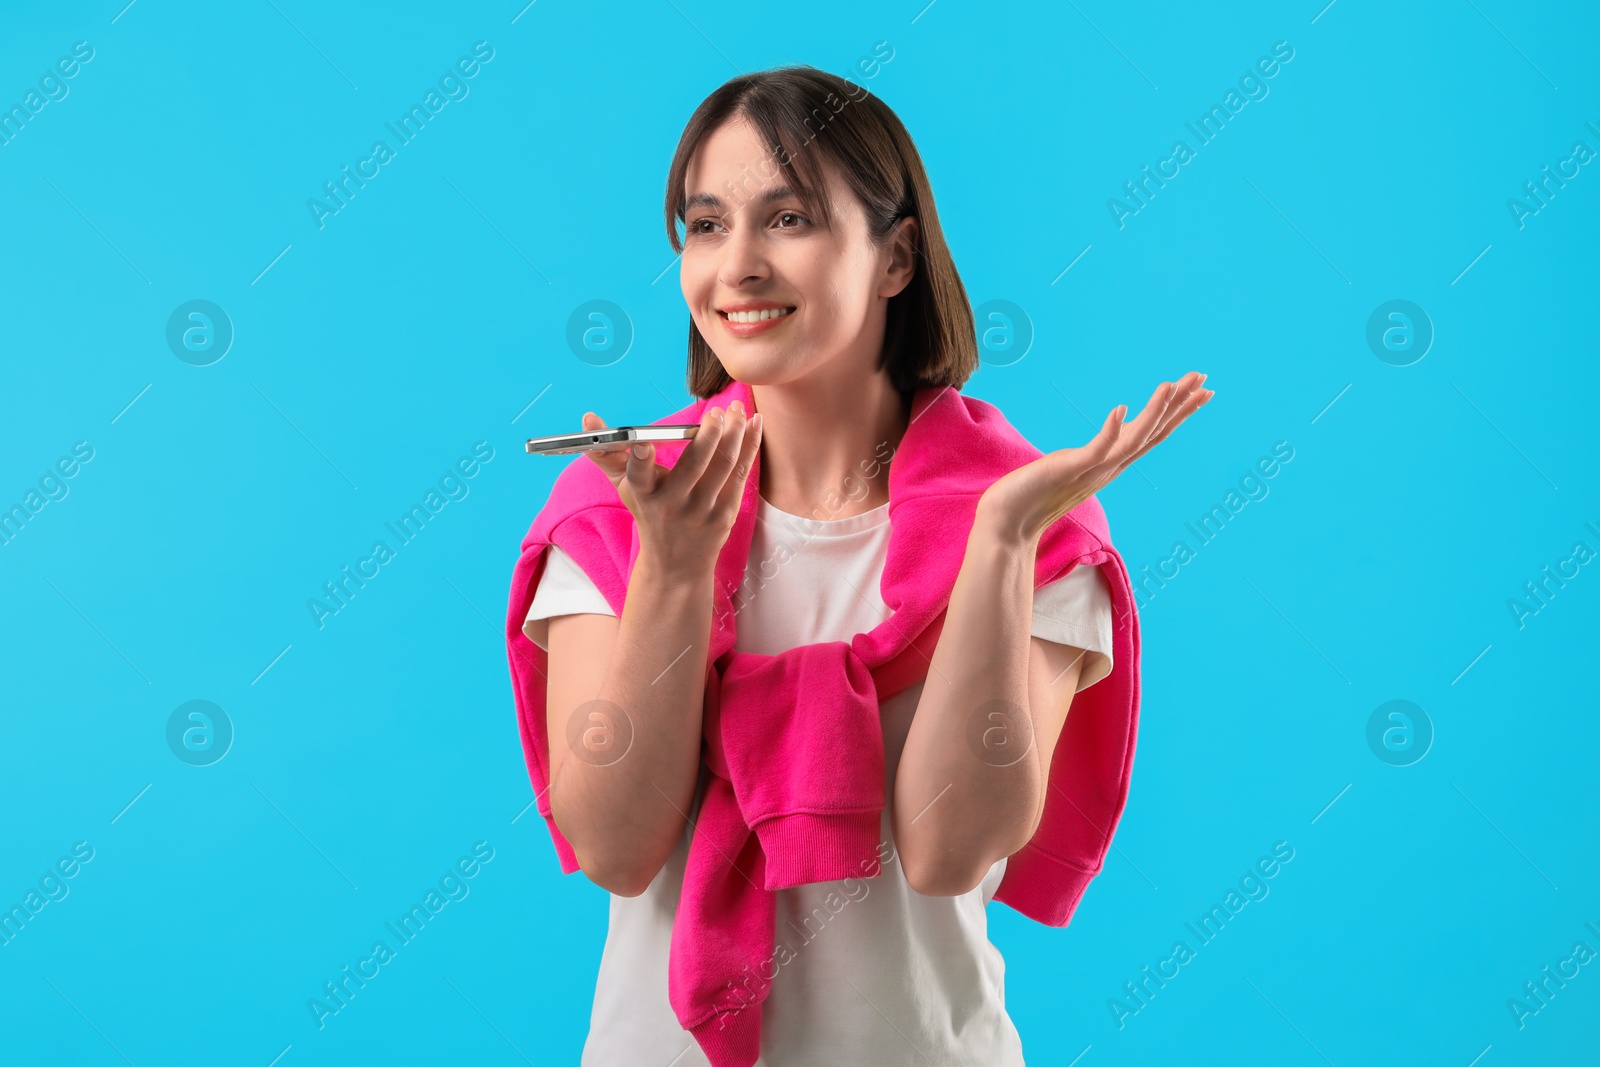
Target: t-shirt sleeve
{"points": [[563, 590], [1076, 610]]}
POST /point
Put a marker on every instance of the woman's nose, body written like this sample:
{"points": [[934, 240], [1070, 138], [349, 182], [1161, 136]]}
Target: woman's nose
{"points": [[743, 256]]}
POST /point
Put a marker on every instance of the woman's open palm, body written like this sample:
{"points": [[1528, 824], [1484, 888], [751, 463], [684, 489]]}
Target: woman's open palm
{"points": [[1036, 494]]}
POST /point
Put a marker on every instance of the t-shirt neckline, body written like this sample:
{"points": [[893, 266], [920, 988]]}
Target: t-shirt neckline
{"points": [[852, 524]]}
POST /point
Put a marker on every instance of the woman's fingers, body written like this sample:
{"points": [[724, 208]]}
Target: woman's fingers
{"points": [[700, 450], [1154, 409], [614, 464], [1154, 417], [635, 465], [1181, 405], [642, 472], [1101, 447], [1194, 403], [1186, 399], [703, 468], [708, 488], [1108, 446], [733, 491], [1119, 443]]}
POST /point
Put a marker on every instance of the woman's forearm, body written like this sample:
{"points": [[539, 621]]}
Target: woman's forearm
{"points": [[632, 757], [968, 788]]}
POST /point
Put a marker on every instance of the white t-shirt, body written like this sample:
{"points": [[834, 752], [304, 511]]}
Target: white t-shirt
{"points": [[880, 974]]}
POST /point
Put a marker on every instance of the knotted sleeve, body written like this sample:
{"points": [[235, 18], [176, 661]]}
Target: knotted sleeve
{"points": [[1090, 774], [598, 538], [798, 736]]}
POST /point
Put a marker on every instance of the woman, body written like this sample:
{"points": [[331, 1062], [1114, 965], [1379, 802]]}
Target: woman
{"points": [[818, 284]]}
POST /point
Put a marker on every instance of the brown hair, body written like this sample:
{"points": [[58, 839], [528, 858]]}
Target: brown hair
{"points": [[929, 336]]}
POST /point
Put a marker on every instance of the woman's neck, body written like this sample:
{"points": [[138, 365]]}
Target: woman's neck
{"points": [[825, 445]]}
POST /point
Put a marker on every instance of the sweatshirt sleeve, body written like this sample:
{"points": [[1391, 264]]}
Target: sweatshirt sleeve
{"points": [[564, 589], [1076, 610]]}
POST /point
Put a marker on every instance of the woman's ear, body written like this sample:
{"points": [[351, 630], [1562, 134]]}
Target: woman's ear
{"points": [[903, 255]]}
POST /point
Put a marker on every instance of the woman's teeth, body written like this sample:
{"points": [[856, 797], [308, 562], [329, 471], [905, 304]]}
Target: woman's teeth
{"points": [[757, 316]]}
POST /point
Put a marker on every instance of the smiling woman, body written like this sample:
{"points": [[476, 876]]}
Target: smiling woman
{"points": [[784, 166], [735, 773]]}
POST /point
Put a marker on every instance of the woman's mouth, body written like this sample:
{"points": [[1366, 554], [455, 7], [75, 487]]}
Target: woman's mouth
{"points": [[750, 323]]}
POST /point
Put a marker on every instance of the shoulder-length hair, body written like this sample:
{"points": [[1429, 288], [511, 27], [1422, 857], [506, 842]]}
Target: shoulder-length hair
{"points": [[807, 115]]}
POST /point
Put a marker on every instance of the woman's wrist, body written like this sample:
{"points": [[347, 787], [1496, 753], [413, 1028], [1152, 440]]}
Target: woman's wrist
{"points": [[688, 572], [1005, 529]]}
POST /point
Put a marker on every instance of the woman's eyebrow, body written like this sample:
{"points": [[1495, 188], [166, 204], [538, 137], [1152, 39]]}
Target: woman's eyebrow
{"points": [[710, 200]]}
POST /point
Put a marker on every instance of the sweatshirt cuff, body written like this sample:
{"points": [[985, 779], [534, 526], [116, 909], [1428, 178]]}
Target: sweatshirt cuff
{"points": [[805, 847], [731, 1038]]}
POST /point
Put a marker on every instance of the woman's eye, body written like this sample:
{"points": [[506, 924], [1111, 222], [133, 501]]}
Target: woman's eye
{"points": [[707, 224]]}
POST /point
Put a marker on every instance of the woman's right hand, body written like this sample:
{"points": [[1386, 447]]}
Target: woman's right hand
{"points": [[685, 513]]}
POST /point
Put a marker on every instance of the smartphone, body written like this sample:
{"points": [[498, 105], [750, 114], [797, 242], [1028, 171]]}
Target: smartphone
{"points": [[611, 439]]}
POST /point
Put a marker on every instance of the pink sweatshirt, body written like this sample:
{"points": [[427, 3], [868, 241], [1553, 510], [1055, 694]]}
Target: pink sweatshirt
{"points": [[794, 741]]}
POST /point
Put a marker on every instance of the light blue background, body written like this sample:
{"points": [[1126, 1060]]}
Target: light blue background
{"points": [[431, 311]]}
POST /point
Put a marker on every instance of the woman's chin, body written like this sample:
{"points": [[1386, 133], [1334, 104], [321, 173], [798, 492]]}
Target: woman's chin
{"points": [[756, 369]]}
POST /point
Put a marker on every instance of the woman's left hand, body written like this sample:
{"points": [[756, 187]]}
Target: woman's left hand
{"points": [[1026, 501]]}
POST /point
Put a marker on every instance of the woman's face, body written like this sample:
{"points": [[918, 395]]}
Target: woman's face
{"points": [[750, 244]]}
